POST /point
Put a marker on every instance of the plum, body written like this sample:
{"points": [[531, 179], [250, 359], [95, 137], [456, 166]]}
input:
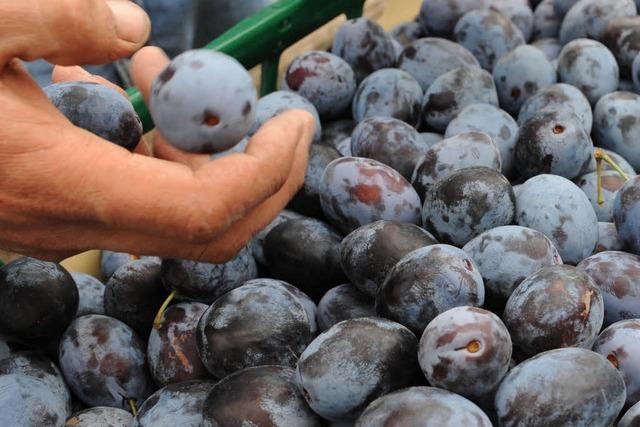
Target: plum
{"points": [[550, 47], [622, 37], [205, 282], [111, 261], [90, 293], [427, 282], [611, 183], [343, 302], [617, 275], [589, 18], [616, 125], [27, 401], [178, 404], [103, 361], [100, 416], [569, 386], [258, 323], [467, 203], [439, 17], [407, 32], [353, 363], [428, 58], [555, 307], [305, 253], [357, 191], [507, 255], [631, 418], [561, 7], [337, 130], [423, 406], [617, 158], [608, 239], [625, 215], [326, 80], [369, 253], [558, 208], [257, 244], [203, 101], [546, 23], [260, 396], [171, 350], [38, 299]]}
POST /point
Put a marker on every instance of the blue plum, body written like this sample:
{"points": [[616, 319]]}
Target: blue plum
{"points": [[428, 282], [111, 261], [279, 101], [257, 244], [98, 109], [635, 73], [618, 159], [519, 12], [203, 101], [520, 74], [555, 307], [563, 6], [589, 18], [439, 17], [260, 323], [407, 32], [336, 131], [589, 66], [608, 240], [389, 93], [326, 80], [546, 23], [488, 35], [555, 143], [205, 282], [558, 98], [453, 91], [171, 349], [622, 37], [389, 141], [428, 58], [507, 255], [423, 406], [468, 202], [617, 275], [611, 183], [371, 251], [558, 208], [550, 47], [354, 363], [103, 362], [428, 139], [365, 46], [343, 302], [631, 418], [100, 416], [626, 215], [493, 121], [357, 191], [91, 294], [178, 404], [570, 386], [616, 125]]}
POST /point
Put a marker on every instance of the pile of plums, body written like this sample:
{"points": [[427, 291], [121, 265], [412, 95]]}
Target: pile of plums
{"points": [[465, 250]]}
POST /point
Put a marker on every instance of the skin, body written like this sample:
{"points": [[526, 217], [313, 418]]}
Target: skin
{"points": [[201, 210]]}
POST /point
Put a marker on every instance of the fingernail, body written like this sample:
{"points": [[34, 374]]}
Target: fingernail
{"points": [[132, 23]]}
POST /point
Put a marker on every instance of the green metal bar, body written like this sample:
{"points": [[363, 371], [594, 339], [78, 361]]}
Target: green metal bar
{"points": [[263, 36], [269, 76]]}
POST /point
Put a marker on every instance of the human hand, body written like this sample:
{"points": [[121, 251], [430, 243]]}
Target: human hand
{"points": [[65, 190]]}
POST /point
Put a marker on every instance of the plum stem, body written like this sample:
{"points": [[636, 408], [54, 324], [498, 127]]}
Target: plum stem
{"points": [[157, 322], [600, 155], [132, 405]]}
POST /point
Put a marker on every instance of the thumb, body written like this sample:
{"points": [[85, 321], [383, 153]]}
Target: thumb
{"points": [[71, 32]]}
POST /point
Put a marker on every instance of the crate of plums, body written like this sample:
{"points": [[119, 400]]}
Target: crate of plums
{"points": [[463, 252]]}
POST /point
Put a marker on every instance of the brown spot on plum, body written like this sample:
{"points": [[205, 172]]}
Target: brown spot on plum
{"points": [[296, 78]]}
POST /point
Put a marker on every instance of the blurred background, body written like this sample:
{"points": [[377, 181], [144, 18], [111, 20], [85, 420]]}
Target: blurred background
{"points": [[179, 25]]}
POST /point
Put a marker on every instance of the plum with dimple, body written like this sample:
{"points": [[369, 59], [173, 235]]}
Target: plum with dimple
{"points": [[569, 386], [326, 80], [423, 406], [507, 255], [260, 396], [306, 253], [356, 191], [493, 121], [178, 404], [428, 282], [368, 253], [558, 208], [557, 306], [488, 34], [428, 58], [343, 302], [205, 282], [171, 349], [203, 101], [389, 141], [451, 92], [38, 299], [104, 363], [465, 350], [259, 323], [620, 344], [99, 416], [365, 46], [389, 93], [355, 362], [98, 109], [468, 202], [461, 151], [558, 98], [617, 274]]}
